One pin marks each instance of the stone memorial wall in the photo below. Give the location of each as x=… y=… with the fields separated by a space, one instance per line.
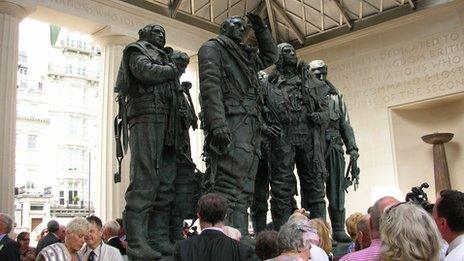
x=401 y=79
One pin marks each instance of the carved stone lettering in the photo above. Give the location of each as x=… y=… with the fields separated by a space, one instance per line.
x=418 y=69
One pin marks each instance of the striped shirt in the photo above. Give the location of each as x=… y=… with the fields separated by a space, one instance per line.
x=372 y=253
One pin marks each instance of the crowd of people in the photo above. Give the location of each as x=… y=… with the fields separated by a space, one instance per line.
x=81 y=239
x=390 y=230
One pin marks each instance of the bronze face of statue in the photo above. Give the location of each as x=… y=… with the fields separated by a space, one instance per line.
x=234 y=28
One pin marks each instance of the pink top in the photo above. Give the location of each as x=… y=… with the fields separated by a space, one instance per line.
x=372 y=253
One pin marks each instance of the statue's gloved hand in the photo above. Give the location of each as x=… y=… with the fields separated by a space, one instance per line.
x=317 y=117
x=354 y=155
x=272 y=132
x=256 y=22
x=174 y=68
x=186 y=85
x=221 y=137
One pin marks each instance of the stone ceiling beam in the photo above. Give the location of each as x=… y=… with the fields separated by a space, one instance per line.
x=175 y=4
x=271 y=18
x=288 y=21
x=180 y=16
x=344 y=13
x=411 y=3
x=357 y=25
x=371 y=5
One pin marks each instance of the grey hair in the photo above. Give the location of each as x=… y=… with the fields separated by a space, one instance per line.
x=297 y=217
x=113 y=227
x=5 y=218
x=409 y=233
x=291 y=237
x=77 y=224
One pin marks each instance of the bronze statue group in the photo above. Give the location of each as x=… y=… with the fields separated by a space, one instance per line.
x=257 y=128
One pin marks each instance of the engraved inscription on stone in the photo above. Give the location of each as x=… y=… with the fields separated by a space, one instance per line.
x=415 y=70
x=98 y=10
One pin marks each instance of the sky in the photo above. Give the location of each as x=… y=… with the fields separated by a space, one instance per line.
x=34 y=39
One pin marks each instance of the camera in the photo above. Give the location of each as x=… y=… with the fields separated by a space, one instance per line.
x=418 y=196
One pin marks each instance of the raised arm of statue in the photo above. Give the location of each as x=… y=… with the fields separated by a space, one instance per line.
x=266 y=44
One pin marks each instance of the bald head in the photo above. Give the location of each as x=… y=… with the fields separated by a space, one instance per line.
x=377 y=211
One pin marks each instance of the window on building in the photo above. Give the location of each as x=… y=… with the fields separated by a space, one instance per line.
x=23 y=84
x=30 y=185
x=61 y=197
x=73 y=197
x=37 y=207
x=70 y=197
x=31 y=141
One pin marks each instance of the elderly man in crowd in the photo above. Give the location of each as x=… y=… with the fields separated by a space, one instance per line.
x=61 y=233
x=373 y=251
x=110 y=235
x=212 y=243
x=448 y=213
x=95 y=249
x=76 y=230
x=363 y=235
x=9 y=249
x=52 y=237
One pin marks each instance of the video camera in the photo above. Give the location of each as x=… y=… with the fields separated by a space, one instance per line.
x=418 y=196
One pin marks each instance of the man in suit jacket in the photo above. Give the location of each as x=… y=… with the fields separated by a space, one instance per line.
x=212 y=244
x=51 y=238
x=94 y=248
x=9 y=249
x=110 y=235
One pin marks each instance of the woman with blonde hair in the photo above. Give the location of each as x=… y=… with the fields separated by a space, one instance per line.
x=408 y=232
x=324 y=235
x=76 y=230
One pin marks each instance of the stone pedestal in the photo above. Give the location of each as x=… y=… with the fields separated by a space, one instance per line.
x=440 y=165
x=11 y=13
x=111 y=196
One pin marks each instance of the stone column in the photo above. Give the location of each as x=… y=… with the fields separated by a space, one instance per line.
x=11 y=13
x=110 y=201
x=440 y=165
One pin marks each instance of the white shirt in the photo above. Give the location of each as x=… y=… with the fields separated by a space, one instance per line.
x=103 y=252
x=318 y=254
x=456 y=249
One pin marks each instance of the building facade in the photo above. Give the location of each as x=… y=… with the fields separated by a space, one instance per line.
x=57 y=130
